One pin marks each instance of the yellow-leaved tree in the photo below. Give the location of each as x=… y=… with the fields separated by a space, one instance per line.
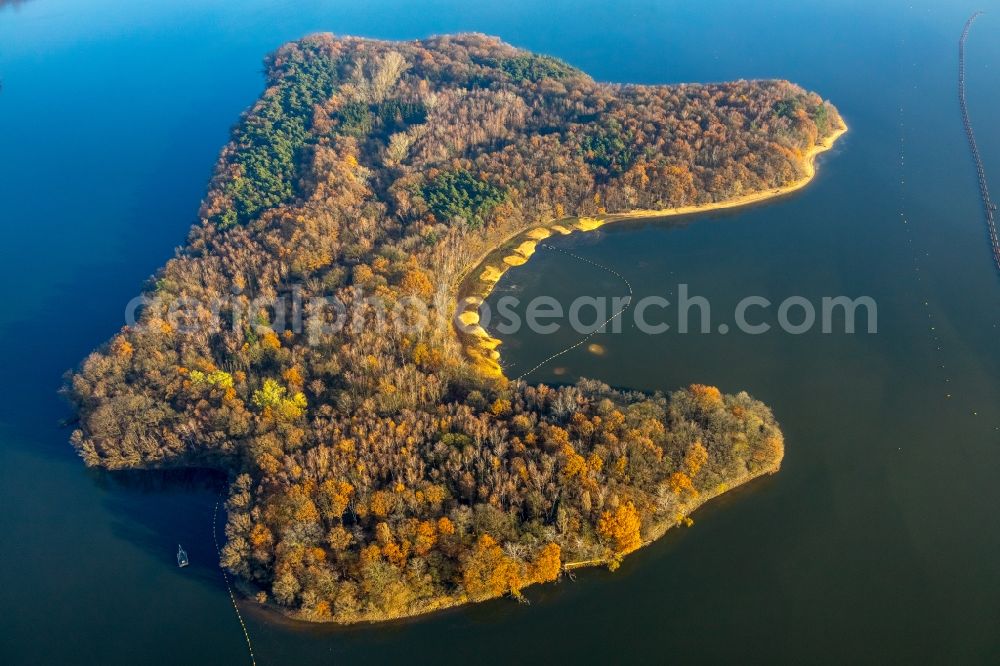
x=489 y=572
x=621 y=528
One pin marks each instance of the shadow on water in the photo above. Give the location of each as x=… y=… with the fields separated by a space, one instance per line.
x=62 y=328
x=49 y=346
x=158 y=510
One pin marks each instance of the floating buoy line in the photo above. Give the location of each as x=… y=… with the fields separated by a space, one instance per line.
x=229 y=587
x=602 y=327
x=934 y=338
x=989 y=208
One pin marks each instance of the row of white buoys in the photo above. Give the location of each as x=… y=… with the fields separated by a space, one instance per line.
x=932 y=332
x=229 y=588
x=603 y=326
x=988 y=206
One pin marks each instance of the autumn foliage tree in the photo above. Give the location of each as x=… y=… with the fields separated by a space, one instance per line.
x=621 y=528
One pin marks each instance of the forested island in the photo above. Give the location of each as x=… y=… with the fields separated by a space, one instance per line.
x=379 y=472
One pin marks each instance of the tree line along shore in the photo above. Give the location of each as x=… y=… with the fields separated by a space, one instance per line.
x=382 y=473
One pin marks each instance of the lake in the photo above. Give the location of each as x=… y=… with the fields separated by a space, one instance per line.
x=876 y=542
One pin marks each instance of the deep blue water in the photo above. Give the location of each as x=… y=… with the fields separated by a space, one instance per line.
x=876 y=542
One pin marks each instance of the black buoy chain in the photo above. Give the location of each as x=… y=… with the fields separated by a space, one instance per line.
x=229 y=587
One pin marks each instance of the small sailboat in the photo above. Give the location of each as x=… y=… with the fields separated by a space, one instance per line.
x=182 y=557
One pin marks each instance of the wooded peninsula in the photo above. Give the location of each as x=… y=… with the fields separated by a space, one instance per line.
x=379 y=472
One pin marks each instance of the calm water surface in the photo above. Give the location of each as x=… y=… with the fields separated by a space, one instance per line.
x=877 y=541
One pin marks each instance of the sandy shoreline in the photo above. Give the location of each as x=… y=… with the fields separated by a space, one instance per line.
x=657 y=530
x=481 y=348
x=274 y=613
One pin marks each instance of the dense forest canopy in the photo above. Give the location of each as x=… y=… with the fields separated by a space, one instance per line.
x=375 y=472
